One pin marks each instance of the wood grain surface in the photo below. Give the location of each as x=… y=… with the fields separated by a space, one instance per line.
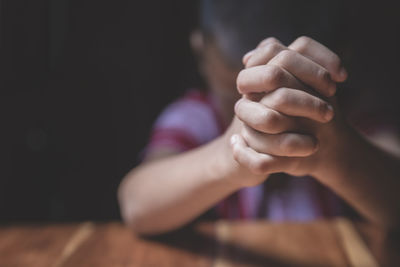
x=258 y=243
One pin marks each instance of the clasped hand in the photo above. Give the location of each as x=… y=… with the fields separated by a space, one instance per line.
x=287 y=119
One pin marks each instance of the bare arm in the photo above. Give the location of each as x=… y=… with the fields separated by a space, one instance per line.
x=366 y=176
x=166 y=193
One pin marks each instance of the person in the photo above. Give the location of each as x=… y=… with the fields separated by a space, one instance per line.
x=277 y=119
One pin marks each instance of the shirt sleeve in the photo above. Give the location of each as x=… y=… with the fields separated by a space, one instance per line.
x=184 y=125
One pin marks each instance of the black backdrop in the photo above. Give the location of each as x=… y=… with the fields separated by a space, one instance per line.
x=82 y=81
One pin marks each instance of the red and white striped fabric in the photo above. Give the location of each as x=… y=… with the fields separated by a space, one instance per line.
x=186 y=123
x=192 y=121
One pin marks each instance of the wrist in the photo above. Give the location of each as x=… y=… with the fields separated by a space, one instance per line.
x=232 y=171
x=336 y=160
x=225 y=166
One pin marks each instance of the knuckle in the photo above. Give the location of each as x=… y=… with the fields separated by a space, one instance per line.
x=302 y=43
x=281 y=98
x=323 y=75
x=304 y=39
x=272 y=48
x=273 y=76
x=268 y=120
x=259 y=166
x=272 y=39
x=268 y=40
x=284 y=56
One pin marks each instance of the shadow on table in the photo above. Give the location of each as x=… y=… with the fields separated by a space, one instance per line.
x=384 y=245
x=206 y=243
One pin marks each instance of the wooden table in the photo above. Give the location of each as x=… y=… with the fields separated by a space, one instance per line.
x=322 y=243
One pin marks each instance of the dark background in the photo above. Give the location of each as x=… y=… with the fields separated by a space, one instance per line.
x=82 y=81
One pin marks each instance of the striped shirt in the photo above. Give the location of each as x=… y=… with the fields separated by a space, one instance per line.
x=192 y=121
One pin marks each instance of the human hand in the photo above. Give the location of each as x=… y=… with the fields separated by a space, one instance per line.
x=265 y=136
x=305 y=61
x=288 y=122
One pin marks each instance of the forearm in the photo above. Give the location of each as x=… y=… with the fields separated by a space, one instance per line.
x=366 y=177
x=167 y=193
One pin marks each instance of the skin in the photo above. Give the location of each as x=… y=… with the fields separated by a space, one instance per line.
x=286 y=121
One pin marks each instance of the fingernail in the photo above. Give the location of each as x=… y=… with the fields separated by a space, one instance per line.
x=332 y=90
x=329 y=113
x=343 y=73
x=247 y=56
x=234 y=139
